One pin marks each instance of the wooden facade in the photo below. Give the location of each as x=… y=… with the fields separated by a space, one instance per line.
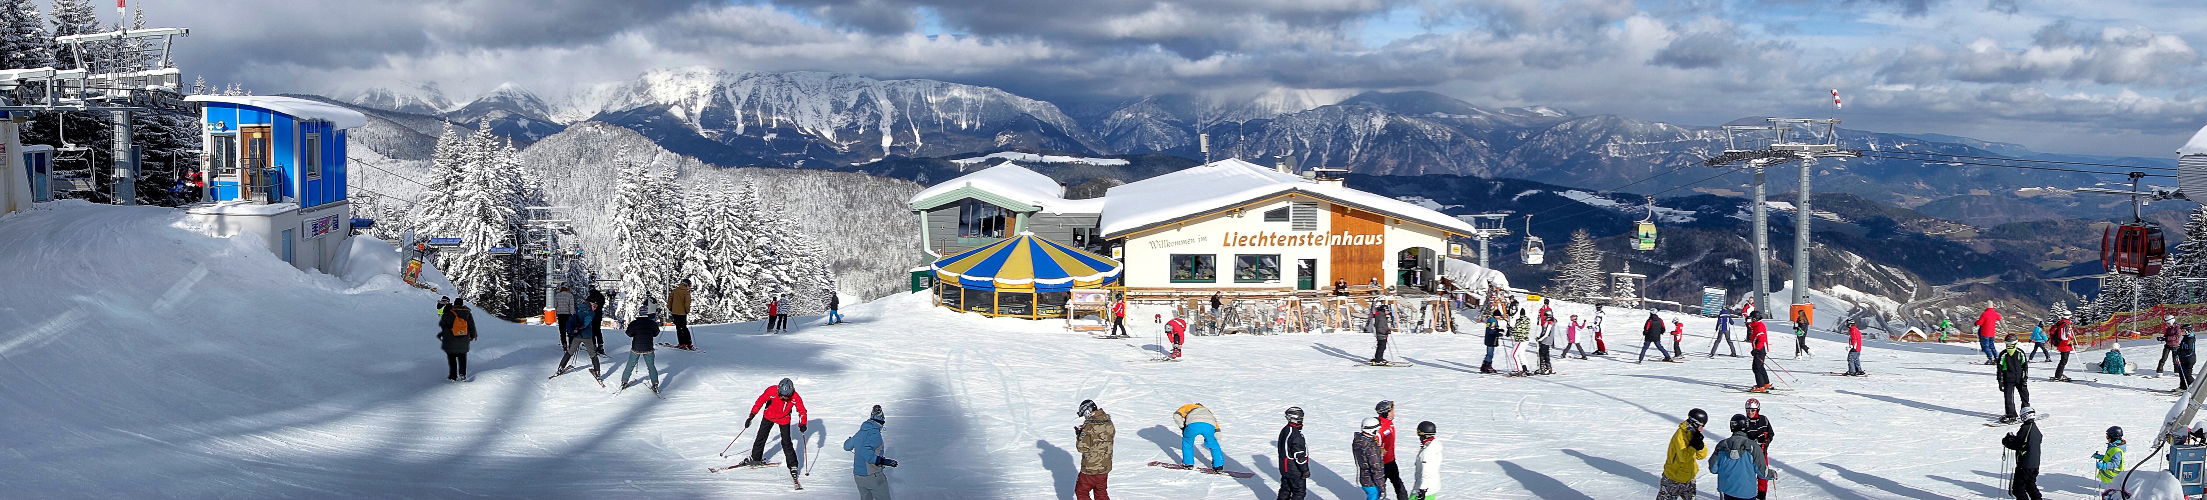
x=1359 y=264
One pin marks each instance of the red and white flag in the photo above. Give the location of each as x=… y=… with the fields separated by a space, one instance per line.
x=1835 y=100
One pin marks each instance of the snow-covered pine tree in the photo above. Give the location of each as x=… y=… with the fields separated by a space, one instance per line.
x=446 y=165
x=85 y=128
x=483 y=218
x=1582 y=275
x=168 y=144
x=669 y=229
x=638 y=260
x=24 y=42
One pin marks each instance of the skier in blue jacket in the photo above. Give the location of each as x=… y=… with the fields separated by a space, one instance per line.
x=867 y=464
x=2038 y=344
x=1738 y=463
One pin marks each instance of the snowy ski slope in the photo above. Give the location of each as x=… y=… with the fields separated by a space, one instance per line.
x=143 y=360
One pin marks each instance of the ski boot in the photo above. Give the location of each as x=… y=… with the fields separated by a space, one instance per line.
x=1760 y=388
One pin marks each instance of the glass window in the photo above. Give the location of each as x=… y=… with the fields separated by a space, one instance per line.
x=1194 y=268
x=310 y=156
x=223 y=157
x=1257 y=268
x=977 y=219
x=1276 y=215
x=950 y=296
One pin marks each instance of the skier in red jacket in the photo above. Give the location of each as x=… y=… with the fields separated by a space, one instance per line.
x=778 y=400
x=2064 y=341
x=1758 y=338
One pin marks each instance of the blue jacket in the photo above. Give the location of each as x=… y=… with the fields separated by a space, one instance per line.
x=1724 y=321
x=1736 y=476
x=586 y=316
x=865 y=447
x=2038 y=334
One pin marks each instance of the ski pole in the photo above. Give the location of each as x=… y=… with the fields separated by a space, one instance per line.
x=1782 y=369
x=732 y=442
x=812 y=458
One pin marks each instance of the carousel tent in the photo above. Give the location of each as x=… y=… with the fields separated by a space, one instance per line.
x=1022 y=276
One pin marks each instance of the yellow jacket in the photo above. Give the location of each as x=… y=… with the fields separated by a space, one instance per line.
x=1684 y=464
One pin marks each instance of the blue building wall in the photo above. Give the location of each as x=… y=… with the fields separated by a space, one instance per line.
x=286 y=134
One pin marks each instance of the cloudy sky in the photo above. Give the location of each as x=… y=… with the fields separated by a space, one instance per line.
x=2103 y=77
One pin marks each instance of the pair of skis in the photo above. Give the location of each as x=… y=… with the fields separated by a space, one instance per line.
x=600 y=379
x=793 y=481
x=1206 y=470
x=676 y=347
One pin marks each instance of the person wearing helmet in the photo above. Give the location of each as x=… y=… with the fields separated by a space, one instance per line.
x=1682 y=465
x=2110 y=462
x=1426 y=483
x=1724 y=334
x=1739 y=463
x=1987 y=323
x=1371 y=468
x=1678 y=338
x=1494 y=339
x=1093 y=438
x=1854 y=349
x=2025 y=441
x=1196 y=421
x=2064 y=341
x=2186 y=352
x=1758 y=429
x=2010 y=374
x=1294 y=457
x=1547 y=342
x=2038 y=342
x=1758 y=349
x=1386 y=411
x=1571 y=338
x=1600 y=348
x=867 y=464
x=780 y=401
x=1176 y=334
x=2169 y=335
x=1651 y=334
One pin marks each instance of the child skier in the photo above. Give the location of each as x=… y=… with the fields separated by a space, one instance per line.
x=2025 y=441
x=867 y=464
x=780 y=401
x=2113 y=363
x=1600 y=348
x=1678 y=338
x=2110 y=462
x=1176 y=333
x=641 y=330
x=2185 y=353
x=1093 y=438
x=1294 y=457
x=1571 y=338
x=1426 y=483
x=1196 y=421
x=1371 y=466
x=2010 y=373
x=1854 y=349
x=1682 y=464
x=582 y=339
x=2038 y=342
x=2063 y=343
x=1738 y=463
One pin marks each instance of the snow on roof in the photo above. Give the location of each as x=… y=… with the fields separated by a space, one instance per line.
x=2196 y=146
x=1018 y=183
x=298 y=108
x=1228 y=182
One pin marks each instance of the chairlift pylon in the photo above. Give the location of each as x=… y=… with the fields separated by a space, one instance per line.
x=1533 y=254
x=1643 y=238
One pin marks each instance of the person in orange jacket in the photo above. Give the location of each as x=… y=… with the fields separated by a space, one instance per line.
x=779 y=401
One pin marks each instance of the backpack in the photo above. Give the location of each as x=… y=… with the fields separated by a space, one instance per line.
x=459 y=326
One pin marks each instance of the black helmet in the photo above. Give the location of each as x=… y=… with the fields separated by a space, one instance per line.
x=1295 y=415
x=1087 y=406
x=786 y=388
x=1739 y=423
x=2114 y=432
x=1384 y=407
x=1427 y=428
x=1698 y=417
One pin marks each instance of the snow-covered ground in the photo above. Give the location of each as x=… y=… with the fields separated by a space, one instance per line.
x=145 y=360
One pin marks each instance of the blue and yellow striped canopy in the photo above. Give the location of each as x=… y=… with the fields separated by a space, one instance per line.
x=1026 y=263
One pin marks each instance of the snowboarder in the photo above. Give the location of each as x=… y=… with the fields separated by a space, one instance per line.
x=1371 y=467
x=1093 y=438
x=1571 y=338
x=1987 y=323
x=1386 y=410
x=563 y=309
x=456 y=330
x=1600 y=348
x=2010 y=373
x=1678 y=338
x=1118 y=315
x=1196 y=421
x=678 y=311
x=779 y=400
x=835 y=308
x=2025 y=441
x=2110 y=462
x=1683 y=463
x=1494 y=339
x=580 y=339
x=1651 y=334
x=597 y=323
x=1801 y=332
x=1758 y=429
x=1521 y=332
x=2185 y=353
x=2113 y=363
x=641 y=331
x=1547 y=343
x=1854 y=348
x=1758 y=349
x=1294 y=457
x=2064 y=341
x=1425 y=483
x=1176 y=333
x=1738 y=463
x=1381 y=313
x=1724 y=334
x=868 y=467
x=2169 y=335
x=2038 y=342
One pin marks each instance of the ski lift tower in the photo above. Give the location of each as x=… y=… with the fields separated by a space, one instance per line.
x=1486 y=227
x=1785 y=140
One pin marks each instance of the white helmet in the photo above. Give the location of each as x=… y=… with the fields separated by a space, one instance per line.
x=2028 y=414
x=1371 y=425
x=2171 y=319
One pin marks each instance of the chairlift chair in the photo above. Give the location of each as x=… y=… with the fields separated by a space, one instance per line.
x=1533 y=254
x=1644 y=238
x=2135 y=249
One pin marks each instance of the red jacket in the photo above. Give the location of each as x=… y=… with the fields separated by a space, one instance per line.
x=2063 y=340
x=777 y=409
x=1118 y=309
x=1387 y=440
x=1985 y=323
x=773 y=308
x=1678 y=331
x=1854 y=337
x=1758 y=335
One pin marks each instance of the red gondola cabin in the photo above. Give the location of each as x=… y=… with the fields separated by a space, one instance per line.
x=2133 y=249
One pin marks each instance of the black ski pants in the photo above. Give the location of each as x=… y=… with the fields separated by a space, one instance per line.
x=2063 y=364
x=2165 y=351
x=1394 y=477
x=1544 y=358
x=1658 y=343
x=1724 y=338
x=1379 y=353
x=455 y=364
x=789 y=448
x=2009 y=391
x=566 y=321
x=1800 y=345
x=681 y=328
x=1292 y=487
x=2039 y=348
x=1762 y=376
x=1118 y=326
x=2183 y=369
x=2025 y=484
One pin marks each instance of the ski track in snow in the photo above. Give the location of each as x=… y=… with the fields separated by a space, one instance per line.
x=145 y=360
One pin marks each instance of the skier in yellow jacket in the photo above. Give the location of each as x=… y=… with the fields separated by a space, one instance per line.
x=1684 y=463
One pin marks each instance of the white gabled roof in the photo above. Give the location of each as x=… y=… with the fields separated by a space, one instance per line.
x=1019 y=184
x=2196 y=146
x=1226 y=183
x=338 y=116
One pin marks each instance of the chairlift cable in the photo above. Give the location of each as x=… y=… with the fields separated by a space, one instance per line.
x=2109 y=165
